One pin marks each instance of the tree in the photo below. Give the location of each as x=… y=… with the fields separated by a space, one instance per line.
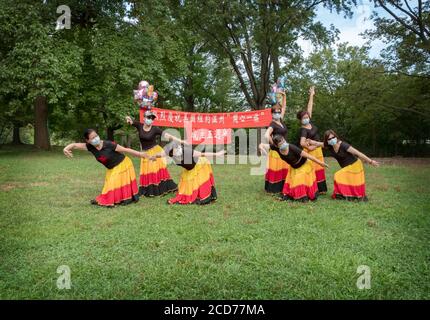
x=37 y=67
x=407 y=31
x=189 y=76
x=252 y=34
x=379 y=112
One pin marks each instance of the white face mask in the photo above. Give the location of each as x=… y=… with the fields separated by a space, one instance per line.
x=306 y=121
x=95 y=141
x=284 y=146
x=332 y=142
x=276 y=116
x=148 y=122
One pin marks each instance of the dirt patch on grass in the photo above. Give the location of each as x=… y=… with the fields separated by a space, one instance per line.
x=7 y=186
x=251 y=221
x=400 y=161
x=381 y=187
x=19 y=185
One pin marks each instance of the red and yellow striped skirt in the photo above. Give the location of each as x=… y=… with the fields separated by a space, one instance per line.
x=154 y=177
x=319 y=170
x=349 y=182
x=120 y=185
x=277 y=170
x=300 y=184
x=196 y=186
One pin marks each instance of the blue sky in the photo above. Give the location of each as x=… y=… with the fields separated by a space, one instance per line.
x=350 y=29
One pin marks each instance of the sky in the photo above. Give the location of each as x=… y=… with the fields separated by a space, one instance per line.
x=350 y=29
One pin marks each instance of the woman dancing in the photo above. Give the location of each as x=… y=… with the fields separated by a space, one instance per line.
x=196 y=184
x=277 y=169
x=120 y=185
x=310 y=141
x=349 y=182
x=155 y=179
x=300 y=182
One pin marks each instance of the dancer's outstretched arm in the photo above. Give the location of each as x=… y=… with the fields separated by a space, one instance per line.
x=68 y=149
x=170 y=137
x=157 y=155
x=131 y=152
x=315 y=144
x=209 y=154
x=363 y=157
x=312 y=158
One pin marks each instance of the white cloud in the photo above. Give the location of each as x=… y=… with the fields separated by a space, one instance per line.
x=349 y=29
x=306 y=46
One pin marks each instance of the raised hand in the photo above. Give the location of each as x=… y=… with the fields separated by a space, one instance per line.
x=129 y=120
x=68 y=153
x=312 y=90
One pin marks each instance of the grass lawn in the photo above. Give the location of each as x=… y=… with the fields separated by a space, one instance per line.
x=245 y=246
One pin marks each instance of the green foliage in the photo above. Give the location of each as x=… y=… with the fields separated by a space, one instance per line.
x=406 y=30
x=357 y=98
x=253 y=34
x=213 y=56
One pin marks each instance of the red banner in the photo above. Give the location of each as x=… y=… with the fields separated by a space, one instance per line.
x=209 y=136
x=225 y=120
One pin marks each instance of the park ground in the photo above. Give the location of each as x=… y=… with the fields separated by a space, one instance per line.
x=246 y=245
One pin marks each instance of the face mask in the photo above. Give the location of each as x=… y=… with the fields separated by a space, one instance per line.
x=276 y=116
x=148 y=121
x=284 y=146
x=332 y=142
x=306 y=121
x=177 y=152
x=95 y=141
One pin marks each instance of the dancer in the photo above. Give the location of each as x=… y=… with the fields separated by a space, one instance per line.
x=310 y=141
x=155 y=179
x=300 y=183
x=277 y=169
x=349 y=182
x=196 y=184
x=120 y=185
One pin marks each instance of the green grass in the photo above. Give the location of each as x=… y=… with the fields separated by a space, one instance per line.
x=245 y=246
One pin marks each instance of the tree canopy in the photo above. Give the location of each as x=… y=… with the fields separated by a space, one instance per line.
x=213 y=56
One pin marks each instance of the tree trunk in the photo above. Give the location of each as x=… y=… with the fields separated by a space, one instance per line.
x=188 y=94
x=41 y=134
x=128 y=141
x=110 y=133
x=276 y=65
x=259 y=138
x=16 y=139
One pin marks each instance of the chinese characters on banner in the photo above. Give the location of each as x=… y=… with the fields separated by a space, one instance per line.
x=215 y=126
x=209 y=136
x=225 y=120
